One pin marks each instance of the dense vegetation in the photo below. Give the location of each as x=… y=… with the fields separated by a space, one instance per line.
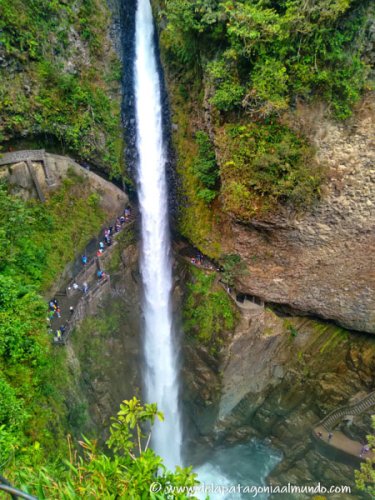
x=263 y=165
x=59 y=77
x=365 y=478
x=236 y=72
x=128 y=472
x=208 y=312
x=38 y=241
x=260 y=55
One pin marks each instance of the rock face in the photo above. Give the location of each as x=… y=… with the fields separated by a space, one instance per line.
x=275 y=380
x=105 y=352
x=322 y=261
x=50 y=174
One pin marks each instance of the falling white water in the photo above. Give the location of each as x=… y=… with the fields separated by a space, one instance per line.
x=161 y=374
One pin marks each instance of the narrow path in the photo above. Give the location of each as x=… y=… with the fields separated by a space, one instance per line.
x=72 y=300
x=341 y=442
x=324 y=430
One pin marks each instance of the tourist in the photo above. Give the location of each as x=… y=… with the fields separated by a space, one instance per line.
x=85 y=287
x=320 y=435
x=75 y=286
x=330 y=436
x=71 y=309
x=101 y=245
x=99 y=274
x=52 y=305
x=58 y=312
x=84 y=259
x=127 y=213
x=99 y=253
x=122 y=219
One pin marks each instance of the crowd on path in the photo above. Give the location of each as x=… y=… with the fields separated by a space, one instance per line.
x=200 y=260
x=61 y=311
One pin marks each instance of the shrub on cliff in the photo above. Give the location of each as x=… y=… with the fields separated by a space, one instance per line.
x=205 y=168
x=208 y=312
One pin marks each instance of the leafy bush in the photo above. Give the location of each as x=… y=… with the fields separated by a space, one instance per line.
x=128 y=472
x=233 y=267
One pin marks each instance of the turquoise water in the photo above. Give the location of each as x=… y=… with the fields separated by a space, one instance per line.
x=230 y=473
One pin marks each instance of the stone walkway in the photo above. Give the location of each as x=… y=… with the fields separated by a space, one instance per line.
x=341 y=442
x=75 y=297
x=338 y=440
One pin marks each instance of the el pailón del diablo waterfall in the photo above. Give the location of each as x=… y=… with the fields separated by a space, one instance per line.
x=161 y=372
x=161 y=376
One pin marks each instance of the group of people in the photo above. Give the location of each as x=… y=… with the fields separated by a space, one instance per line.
x=200 y=260
x=365 y=448
x=55 y=310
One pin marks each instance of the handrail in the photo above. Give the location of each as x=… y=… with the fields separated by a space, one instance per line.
x=14 y=492
x=361 y=405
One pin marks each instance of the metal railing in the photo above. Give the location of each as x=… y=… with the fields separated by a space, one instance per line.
x=14 y=492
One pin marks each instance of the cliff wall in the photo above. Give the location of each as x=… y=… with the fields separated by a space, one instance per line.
x=320 y=260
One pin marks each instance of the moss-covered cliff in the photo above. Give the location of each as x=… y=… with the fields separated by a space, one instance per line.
x=269 y=168
x=60 y=79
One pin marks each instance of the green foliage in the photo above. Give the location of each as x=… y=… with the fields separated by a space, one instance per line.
x=272 y=51
x=224 y=78
x=93 y=474
x=365 y=477
x=126 y=431
x=59 y=78
x=263 y=165
x=37 y=241
x=205 y=168
x=208 y=312
x=293 y=332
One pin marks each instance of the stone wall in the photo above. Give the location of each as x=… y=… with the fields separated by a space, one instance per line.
x=50 y=170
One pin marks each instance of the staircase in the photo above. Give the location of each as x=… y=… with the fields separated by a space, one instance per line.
x=332 y=418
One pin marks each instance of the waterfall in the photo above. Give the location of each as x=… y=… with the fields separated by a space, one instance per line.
x=161 y=371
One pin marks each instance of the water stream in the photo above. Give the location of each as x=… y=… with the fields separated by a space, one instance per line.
x=161 y=373
x=248 y=463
